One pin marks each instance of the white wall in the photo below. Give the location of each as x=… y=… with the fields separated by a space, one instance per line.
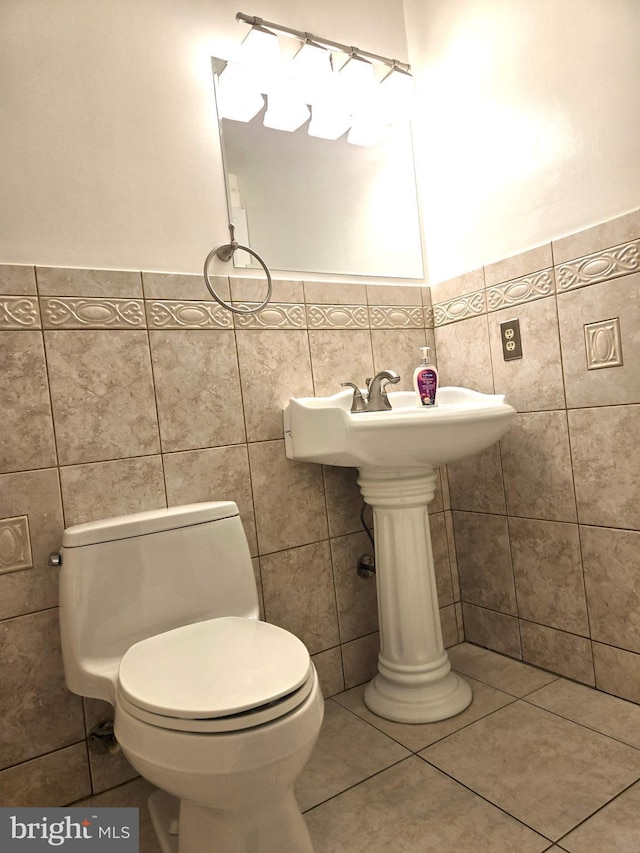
x=528 y=122
x=109 y=150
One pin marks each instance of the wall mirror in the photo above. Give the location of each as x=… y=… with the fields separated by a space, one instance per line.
x=323 y=206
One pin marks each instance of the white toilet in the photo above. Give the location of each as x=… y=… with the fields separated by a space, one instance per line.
x=159 y=616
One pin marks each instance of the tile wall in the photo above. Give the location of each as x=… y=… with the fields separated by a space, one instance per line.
x=547 y=523
x=124 y=391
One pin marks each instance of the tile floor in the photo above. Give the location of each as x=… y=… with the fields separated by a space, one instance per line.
x=535 y=763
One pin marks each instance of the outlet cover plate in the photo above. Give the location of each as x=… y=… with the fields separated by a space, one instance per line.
x=510 y=338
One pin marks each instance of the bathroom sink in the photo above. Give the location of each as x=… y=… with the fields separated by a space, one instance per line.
x=464 y=422
x=396 y=451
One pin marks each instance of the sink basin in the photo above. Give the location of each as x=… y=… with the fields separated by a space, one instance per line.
x=464 y=422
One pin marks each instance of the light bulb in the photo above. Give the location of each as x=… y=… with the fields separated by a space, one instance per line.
x=237 y=97
x=328 y=120
x=397 y=94
x=369 y=128
x=284 y=110
x=357 y=81
x=311 y=70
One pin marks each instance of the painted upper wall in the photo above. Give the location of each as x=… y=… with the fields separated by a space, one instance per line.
x=528 y=125
x=109 y=149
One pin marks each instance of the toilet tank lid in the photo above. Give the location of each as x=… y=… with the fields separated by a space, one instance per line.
x=141 y=523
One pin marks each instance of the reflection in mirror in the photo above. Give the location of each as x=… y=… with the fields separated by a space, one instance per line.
x=325 y=206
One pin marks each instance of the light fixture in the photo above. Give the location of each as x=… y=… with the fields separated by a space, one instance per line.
x=358 y=81
x=339 y=100
x=369 y=128
x=312 y=71
x=284 y=110
x=260 y=50
x=238 y=99
x=397 y=93
x=328 y=120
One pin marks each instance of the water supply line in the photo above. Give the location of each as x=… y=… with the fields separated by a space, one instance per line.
x=366 y=565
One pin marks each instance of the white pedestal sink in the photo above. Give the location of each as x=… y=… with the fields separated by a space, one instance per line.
x=396 y=452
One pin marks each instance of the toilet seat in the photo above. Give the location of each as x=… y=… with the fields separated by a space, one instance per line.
x=219 y=675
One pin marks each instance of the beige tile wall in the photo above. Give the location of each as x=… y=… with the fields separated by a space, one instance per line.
x=547 y=524
x=124 y=391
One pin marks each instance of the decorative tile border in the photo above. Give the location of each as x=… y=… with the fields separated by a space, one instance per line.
x=460 y=308
x=338 y=316
x=428 y=316
x=15 y=545
x=524 y=289
x=92 y=313
x=600 y=266
x=19 y=312
x=276 y=315
x=603 y=343
x=396 y=317
x=176 y=314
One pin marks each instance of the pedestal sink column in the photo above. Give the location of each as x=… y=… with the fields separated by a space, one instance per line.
x=414 y=683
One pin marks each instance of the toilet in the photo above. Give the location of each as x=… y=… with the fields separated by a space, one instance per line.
x=217 y=709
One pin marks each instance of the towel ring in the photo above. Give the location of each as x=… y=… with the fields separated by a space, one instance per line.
x=224 y=253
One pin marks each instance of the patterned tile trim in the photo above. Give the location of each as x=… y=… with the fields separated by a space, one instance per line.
x=276 y=315
x=396 y=317
x=428 y=316
x=337 y=316
x=175 y=314
x=470 y=305
x=524 y=289
x=15 y=546
x=92 y=313
x=19 y=312
x=603 y=343
x=600 y=266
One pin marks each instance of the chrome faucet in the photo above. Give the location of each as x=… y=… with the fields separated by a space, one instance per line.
x=359 y=404
x=376 y=399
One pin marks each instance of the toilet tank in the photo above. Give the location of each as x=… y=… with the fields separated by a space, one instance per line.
x=128 y=578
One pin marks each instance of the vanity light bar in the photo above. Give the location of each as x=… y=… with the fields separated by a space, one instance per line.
x=350 y=50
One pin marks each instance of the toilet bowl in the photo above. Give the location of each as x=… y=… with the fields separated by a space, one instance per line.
x=218 y=709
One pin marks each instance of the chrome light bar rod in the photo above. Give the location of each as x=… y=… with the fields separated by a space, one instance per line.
x=254 y=21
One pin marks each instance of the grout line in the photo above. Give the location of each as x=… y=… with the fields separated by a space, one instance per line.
x=29 y=612
x=597 y=811
x=356 y=784
x=482 y=797
x=527 y=699
x=157 y=411
x=81 y=742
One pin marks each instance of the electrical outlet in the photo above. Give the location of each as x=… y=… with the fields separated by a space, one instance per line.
x=511 y=342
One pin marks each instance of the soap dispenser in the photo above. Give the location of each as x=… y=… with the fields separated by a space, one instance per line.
x=425 y=379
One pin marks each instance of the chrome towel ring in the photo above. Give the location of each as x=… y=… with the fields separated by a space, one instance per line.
x=224 y=253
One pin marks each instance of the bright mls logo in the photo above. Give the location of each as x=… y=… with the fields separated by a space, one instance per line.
x=74 y=830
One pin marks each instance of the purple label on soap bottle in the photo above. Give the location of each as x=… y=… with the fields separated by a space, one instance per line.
x=427 y=387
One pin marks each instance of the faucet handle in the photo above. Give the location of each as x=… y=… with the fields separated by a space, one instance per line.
x=359 y=403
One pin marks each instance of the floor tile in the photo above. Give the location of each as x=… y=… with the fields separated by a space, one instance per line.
x=498 y=671
x=413 y=808
x=348 y=751
x=132 y=794
x=485 y=700
x=548 y=772
x=606 y=714
x=616 y=828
